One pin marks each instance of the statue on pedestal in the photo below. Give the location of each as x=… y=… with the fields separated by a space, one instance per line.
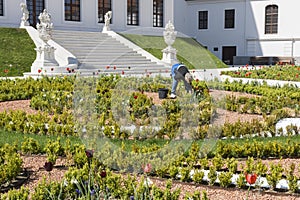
x=25 y=15
x=107 y=18
x=45 y=52
x=169 y=53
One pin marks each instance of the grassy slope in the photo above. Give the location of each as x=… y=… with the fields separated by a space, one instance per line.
x=189 y=51
x=17 y=50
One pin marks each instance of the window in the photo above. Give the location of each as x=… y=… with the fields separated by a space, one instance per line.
x=132 y=12
x=103 y=7
x=158 y=13
x=271 y=19
x=203 y=19
x=1 y=8
x=35 y=8
x=72 y=10
x=229 y=18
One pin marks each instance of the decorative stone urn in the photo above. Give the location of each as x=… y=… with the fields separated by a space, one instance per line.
x=45 y=53
x=169 y=53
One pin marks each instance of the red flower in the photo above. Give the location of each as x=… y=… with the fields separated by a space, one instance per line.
x=103 y=174
x=107 y=67
x=115 y=67
x=251 y=178
x=5 y=70
x=39 y=70
x=147 y=168
x=197 y=80
x=135 y=97
x=297 y=75
x=68 y=69
x=193 y=71
x=123 y=72
x=48 y=166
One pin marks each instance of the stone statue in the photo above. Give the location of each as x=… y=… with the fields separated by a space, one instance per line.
x=25 y=16
x=45 y=26
x=107 y=18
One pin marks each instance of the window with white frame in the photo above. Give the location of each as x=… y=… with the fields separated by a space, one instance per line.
x=72 y=10
x=103 y=7
x=203 y=19
x=158 y=13
x=229 y=18
x=132 y=12
x=1 y=8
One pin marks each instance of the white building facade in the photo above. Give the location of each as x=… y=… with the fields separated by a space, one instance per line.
x=234 y=30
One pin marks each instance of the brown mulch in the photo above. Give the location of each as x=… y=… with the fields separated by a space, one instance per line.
x=34 y=164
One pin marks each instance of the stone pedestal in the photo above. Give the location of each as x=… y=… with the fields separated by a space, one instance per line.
x=45 y=59
x=169 y=55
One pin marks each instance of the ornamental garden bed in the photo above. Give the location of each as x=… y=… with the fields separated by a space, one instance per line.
x=72 y=163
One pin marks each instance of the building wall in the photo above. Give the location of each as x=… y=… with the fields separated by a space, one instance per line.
x=247 y=35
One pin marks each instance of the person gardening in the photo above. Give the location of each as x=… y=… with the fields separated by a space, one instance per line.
x=180 y=72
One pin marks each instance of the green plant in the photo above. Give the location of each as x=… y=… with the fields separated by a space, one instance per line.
x=10 y=164
x=225 y=178
x=198 y=176
x=212 y=175
x=232 y=164
x=292 y=178
x=30 y=146
x=275 y=174
x=20 y=194
x=241 y=181
x=185 y=174
x=53 y=150
x=217 y=162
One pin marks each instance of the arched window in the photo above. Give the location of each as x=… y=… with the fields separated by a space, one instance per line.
x=103 y=7
x=132 y=12
x=72 y=10
x=271 y=19
x=1 y=8
x=158 y=13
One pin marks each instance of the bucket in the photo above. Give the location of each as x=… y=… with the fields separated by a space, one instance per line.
x=163 y=93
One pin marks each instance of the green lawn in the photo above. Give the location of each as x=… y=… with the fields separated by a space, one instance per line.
x=16 y=52
x=189 y=51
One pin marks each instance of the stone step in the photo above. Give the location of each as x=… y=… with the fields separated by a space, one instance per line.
x=95 y=51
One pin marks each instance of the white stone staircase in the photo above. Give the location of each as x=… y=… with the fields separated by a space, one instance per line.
x=100 y=53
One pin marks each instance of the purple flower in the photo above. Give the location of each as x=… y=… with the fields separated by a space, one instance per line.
x=131 y=197
x=48 y=166
x=78 y=191
x=89 y=153
x=93 y=192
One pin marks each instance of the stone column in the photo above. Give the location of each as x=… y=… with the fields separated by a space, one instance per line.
x=169 y=53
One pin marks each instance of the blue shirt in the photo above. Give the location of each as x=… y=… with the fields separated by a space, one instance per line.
x=174 y=67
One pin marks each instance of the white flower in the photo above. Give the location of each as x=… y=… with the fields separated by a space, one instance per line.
x=74 y=181
x=148 y=182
